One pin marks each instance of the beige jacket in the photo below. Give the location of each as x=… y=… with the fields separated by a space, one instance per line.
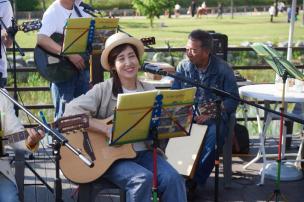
x=100 y=94
x=10 y=124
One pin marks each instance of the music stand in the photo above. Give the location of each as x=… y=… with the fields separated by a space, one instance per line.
x=153 y=115
x=284 y=69
x=88 y=35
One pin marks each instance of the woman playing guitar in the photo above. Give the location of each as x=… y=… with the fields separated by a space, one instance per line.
x=121 y=57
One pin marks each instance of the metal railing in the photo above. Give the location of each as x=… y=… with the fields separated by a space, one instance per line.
x=230 y=50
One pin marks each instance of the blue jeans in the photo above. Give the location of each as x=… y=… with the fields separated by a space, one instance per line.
x=135 y=177
x=64 y=92
x=3 y=82
x=207 y=156
x=8 y=190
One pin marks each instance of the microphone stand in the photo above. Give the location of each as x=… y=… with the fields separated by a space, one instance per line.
x=59 y=140
x=15 y=46
x=219 y=93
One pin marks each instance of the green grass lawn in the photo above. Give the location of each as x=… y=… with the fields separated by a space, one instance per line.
x=242 y=28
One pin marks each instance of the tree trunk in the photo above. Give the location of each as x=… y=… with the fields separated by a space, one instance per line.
x=43 y=5
x=151 y=22
x=303 y=17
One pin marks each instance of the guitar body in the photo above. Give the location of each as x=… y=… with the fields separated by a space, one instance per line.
x=76 y=171
x=52 y=67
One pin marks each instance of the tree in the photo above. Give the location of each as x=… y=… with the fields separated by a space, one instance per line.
x=150 y=8
x=27 y=5
x=170 y=7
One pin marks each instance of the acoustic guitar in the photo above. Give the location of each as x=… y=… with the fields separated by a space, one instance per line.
x=207 y=108
x=95 y=147
x=53 y=67
x=57 y=68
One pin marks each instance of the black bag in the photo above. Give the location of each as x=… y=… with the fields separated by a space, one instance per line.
x=240 y=140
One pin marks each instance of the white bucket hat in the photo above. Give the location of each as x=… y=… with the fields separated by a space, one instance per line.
x=116 y=40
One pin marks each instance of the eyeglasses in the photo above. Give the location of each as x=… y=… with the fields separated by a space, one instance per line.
x=193 y=51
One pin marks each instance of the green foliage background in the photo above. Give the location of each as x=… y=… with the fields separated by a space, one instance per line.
x=32 y=5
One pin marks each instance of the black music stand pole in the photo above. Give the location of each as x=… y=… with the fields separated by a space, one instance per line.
x=284 y=69
x=57 y=183
x=277 y=195
x=217 y=149
x=156 y=112
x=15 y=46
x=14 y=66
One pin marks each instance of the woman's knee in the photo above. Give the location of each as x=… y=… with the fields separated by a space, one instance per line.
x=172 y=178
x=143 y=178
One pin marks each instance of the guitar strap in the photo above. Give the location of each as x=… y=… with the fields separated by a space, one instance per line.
x=77 y=11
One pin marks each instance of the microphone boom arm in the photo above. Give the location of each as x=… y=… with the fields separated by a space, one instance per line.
x=156 y=70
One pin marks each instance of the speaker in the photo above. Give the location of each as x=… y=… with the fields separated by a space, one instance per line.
x=220 y=44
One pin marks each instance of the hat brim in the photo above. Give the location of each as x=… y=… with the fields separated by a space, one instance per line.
x=131 y=40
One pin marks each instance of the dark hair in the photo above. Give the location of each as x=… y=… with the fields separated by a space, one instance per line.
x=117 y=87
x=204 y=37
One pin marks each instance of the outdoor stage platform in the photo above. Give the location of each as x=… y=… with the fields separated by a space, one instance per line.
x=243 y=188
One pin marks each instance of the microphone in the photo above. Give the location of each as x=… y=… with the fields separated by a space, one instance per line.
x=154 y=69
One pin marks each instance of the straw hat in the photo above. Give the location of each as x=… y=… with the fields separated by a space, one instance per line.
x=116 y=40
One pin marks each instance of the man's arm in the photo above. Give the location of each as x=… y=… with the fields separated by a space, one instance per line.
x=51 y=46
x=11 y=124
x=179 y=72
x=7 y=20
x=48 y=44
x=230 y=86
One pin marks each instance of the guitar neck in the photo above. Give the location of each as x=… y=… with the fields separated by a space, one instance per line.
x=64 y=125
x=14 y=138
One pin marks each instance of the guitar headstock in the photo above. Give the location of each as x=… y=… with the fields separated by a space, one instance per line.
x=148 y=41
x=72 y=123
x=30 y=26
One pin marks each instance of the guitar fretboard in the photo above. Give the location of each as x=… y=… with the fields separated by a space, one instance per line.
x=64 y=124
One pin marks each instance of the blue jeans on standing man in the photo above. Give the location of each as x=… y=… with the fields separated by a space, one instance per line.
x=3 y=81
x=8 y=190
x=135 y=177
x=64 y=92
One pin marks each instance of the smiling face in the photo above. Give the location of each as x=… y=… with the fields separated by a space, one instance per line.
x=127 y=64
x=196 y=53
